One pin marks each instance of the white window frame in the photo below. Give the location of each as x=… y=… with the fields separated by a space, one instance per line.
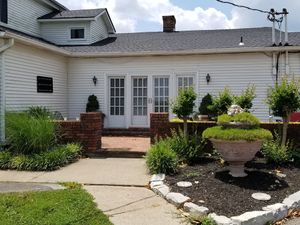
x=185 y=76
x=77 y=28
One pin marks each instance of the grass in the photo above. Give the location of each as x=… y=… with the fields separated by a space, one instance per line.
x=72 y=206
x=234 y=134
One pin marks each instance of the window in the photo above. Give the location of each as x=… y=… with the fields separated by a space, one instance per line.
x=3 y=11
x=77 y=33
x=44 y=84
x=185 y=82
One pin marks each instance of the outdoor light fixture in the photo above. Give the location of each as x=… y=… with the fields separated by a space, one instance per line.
x=207 y=78
x=95 y=80
x=242 y=42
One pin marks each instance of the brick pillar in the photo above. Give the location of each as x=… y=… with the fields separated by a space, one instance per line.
x=91 y=131
x=159 y=125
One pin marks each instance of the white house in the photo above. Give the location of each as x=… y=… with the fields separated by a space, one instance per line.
x=49 y=56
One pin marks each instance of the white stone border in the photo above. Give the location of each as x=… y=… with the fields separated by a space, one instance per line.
x=270 y=213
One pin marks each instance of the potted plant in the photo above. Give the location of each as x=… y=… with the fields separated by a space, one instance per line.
x=237 y=138
x=204 y=109
x=93 y=104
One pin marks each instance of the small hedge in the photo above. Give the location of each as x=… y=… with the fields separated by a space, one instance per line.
x=44 y=161
x=244 y=117
x=235 y=134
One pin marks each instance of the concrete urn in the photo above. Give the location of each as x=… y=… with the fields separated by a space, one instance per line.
x=237 y=153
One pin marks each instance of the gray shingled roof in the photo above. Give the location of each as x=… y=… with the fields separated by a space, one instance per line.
x=183 y=40
x=71 y=14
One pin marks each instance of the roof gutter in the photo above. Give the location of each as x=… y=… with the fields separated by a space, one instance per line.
x=188 y=52
x=37 y=43
x=9 y=42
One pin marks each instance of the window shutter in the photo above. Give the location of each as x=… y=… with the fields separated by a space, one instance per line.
x=3 y=11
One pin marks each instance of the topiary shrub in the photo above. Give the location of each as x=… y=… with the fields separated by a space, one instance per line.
x=27 y=134
x=184 y=104
x=207 y=101
x=189 y=149
x=93 y=104
x=161 y=158
x=222 y=102
x=246 y=98
x=283 y=100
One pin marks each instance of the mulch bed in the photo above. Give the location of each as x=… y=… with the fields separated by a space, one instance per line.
x=229 y=196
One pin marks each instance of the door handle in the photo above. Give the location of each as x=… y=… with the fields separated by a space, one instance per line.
x=149 y=100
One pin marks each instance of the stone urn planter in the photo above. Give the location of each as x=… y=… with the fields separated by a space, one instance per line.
x=237 y=153
x=237 y=138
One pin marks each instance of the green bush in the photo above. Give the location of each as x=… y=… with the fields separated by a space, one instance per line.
x=204 y=109
x=39 y=112
x=243 y=117
x=161 y=158
x=246 y=98
x=28 y=135
x=93 y=104
x=275 y=153
x=235 y=134
x=45 y=161
x=222 y=102
x=188 y=148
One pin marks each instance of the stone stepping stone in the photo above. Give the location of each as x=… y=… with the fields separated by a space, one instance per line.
x=184 y=184
x=261 y=196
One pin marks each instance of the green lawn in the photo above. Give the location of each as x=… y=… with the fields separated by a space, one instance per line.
x=62 y=207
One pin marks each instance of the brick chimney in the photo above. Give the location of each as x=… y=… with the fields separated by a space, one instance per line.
x=169 y=23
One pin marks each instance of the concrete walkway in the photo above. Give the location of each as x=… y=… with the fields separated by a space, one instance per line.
x=118 y=185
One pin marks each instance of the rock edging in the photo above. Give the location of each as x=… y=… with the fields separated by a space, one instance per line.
x=270 y=213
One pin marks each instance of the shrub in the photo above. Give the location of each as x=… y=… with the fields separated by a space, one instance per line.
x=188 y=148
x=204 y=106
x=28 y=135
x=275 y=153
x=246 y=98
x=39 y=112
x=283 y=100
x=243 y=117
x=184 y=105
x=235 y=134
x=161 y=158
x=93 y=104
x=45 y=161
x=222 y=102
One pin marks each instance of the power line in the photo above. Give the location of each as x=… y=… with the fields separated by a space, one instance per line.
x=243 y=6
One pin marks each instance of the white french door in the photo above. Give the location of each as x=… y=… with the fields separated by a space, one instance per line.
x=139 y=101
x=117 y=102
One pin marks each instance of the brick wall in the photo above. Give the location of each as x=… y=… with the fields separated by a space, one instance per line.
x=87 y=131
x=160 y=127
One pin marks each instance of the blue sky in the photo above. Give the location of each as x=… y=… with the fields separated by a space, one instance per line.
x=145 y=15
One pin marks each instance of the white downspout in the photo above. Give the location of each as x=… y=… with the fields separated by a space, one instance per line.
x=287 y=66
x=9 y=43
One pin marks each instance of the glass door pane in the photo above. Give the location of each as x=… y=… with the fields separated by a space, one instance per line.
x=117 y=96
x=140 y=96
x=161 y=94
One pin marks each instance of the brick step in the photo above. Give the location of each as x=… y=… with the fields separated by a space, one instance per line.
x=116 y=154
x=131 y=132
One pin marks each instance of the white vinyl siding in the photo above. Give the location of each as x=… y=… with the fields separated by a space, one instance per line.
x=233 y=70
x=23 y=14
x=59 y=32
x=2 y=110
x=22 y=66
x=98 y=30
